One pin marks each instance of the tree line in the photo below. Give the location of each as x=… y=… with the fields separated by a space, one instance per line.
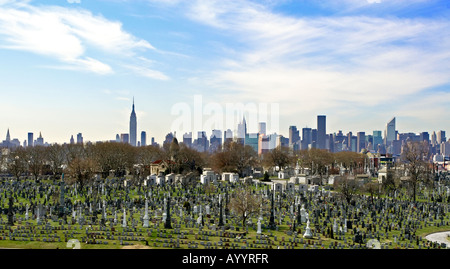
x=80 y=162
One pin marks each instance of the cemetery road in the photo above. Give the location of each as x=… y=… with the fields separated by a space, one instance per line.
x=441 y=237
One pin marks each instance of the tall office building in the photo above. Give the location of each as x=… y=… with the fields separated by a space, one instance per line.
x=143 y=139
x=79 y=138
x=321 y=132
x=440 y=137
x=125 y=138
x=72 y=141
x=361 y=141
x=389 y=133
x=215 y=140
x=314 y=138
x=263 y=143
x=306 y=138
x=424 y=136
x=8 y=136
x=39 y=140
x=30 y=140
x=262 y=128
x=227 y=136
x=187 y=139
x=242 y=131
x=294 y=135
x=433 y=138
x=377 y=139
x=133 y=127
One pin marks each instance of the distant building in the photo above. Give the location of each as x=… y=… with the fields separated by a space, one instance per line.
x=133 y=127
x=307 y=138
x=168 y=140
x=227 y=136
x=252 y=140
x=10 y=143
x=241 y=131
x=79 y=138
x=321 y=131
x=377 y=139
x=262 y=128
x=143 y=139
x=263 y=143
x=201 y=144
x=124 y=138
x=187 y=139
x=440 y=138
x=389 y=133
x=424 y=136
x=72 y=140
x=215 y=141
x=30 y=140
x=294 y=135
x=40 y=140
x=361 y=141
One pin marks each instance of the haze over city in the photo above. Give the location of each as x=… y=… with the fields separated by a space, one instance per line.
x=72 y=67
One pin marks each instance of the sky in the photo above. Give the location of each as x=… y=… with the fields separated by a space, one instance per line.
x=74 y=66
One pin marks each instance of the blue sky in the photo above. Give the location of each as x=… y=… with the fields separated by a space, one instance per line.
x=72 y=66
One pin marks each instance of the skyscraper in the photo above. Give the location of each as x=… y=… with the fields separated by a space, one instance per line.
x=307 y=137
x=8 y=136
x=389 y=133
x=262 y=128
x=424 y=136
x=39 y=140
x=294 y=135
x=377 y=139
x=30 y=140
x=143 y=139
x=440 y=137
x=321 y=131
x=133 y=127
x=125 y=138
x=79 y=138
x=242 y=131
x=187 y=139
x=361 y=141
x=227 y=136
x=72 y=141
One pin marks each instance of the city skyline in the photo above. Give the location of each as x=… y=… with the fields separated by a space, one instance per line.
x=71 y=67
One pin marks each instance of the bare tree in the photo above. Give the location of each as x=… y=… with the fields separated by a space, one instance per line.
x=347 y=187
x=36 y=157
x=244 y=203
x=234 y=157
x=318 y=160
x=372 y=188
x=350 y=160
x=17 y=163
x=55 y=156
x=118 y=157
x=81 y=171
x=414 y=157
x=279 y=156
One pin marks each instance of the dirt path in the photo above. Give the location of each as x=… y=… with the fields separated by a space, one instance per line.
x=441 y=237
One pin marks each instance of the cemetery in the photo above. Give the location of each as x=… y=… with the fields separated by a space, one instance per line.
x=113 y=213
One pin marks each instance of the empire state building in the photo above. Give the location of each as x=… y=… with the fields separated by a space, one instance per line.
x=133 y=125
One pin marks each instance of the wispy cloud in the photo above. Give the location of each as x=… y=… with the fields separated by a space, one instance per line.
x=67 y=35
x=318 y=63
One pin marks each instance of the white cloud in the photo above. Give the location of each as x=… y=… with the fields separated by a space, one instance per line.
x=316 y=63
x=73 y=1
x=67 y=35
x=147 y=72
